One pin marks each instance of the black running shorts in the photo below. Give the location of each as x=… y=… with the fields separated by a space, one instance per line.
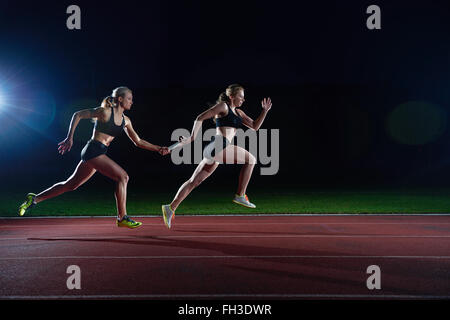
x=217 y=144
x=92 y=149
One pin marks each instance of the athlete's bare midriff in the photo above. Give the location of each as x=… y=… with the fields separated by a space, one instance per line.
x=227 y=132
x=102 y=137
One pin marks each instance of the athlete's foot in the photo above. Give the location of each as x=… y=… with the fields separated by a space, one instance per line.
x=168 y=215
x=127 y=222
x=29 y=202
x=243 y=201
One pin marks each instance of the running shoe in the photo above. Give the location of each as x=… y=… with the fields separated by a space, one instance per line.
x=128 y=222
x=243 y=201
x=29 y=202
x=168 y=215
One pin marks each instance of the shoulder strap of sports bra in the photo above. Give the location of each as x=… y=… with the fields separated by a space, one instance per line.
x=232 y=113
x=112 y=115
x=229 y=109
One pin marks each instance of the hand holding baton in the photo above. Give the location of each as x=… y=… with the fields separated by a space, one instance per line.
x=181 y=141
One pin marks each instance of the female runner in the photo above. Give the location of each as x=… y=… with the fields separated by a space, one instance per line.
x=228 y=117
x=110 y=122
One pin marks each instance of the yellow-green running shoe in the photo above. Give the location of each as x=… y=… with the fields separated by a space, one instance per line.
x=29 y=202
x=168 y=215
x=128 y=222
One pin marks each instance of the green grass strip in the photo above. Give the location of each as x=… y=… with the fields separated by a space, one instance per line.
x=93 y=203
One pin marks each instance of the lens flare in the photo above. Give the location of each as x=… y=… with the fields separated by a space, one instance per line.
x=416 y=123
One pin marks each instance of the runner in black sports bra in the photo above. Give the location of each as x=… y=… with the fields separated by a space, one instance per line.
x=95 y=148
x=230 y=120
x=215 y=153
x=93 y=155
x=220 y=142
x=110 y=127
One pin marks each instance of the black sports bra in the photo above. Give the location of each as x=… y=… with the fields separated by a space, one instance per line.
x=110 y=127
x=230 y=120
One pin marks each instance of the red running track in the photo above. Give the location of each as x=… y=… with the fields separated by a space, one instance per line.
x=227 y=257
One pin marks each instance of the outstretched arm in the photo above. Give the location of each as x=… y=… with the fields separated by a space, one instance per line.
x=208 y=114
x=266 y=104
x=66 y=144
x=141 y=143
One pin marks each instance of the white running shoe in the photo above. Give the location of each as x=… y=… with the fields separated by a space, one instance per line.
x=168 y=215
x=243 y=201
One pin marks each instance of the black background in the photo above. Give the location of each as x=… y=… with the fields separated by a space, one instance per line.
x=334 y=83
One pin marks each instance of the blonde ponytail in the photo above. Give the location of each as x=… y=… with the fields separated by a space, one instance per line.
x=108 y=102
x=111 y=101
x=230 y=91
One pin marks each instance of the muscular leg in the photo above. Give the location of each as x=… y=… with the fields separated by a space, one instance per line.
x=81 y=174
x=203 y=171
x=232 y=154
x=235 y=154
x=112 y=170
x=244 y=178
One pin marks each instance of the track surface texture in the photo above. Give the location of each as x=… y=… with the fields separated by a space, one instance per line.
x=228 y=257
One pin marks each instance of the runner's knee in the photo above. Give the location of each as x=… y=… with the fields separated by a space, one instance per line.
x=123 y=178
x=251 y=159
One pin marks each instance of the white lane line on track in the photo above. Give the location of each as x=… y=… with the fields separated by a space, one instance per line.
x=112 y=225
x=93 y=238
x=224 y=257
x=212 y=296
x=386 y=214
x=75 y=238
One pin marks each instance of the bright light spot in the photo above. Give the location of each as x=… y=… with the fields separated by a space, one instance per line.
x=2 y=102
